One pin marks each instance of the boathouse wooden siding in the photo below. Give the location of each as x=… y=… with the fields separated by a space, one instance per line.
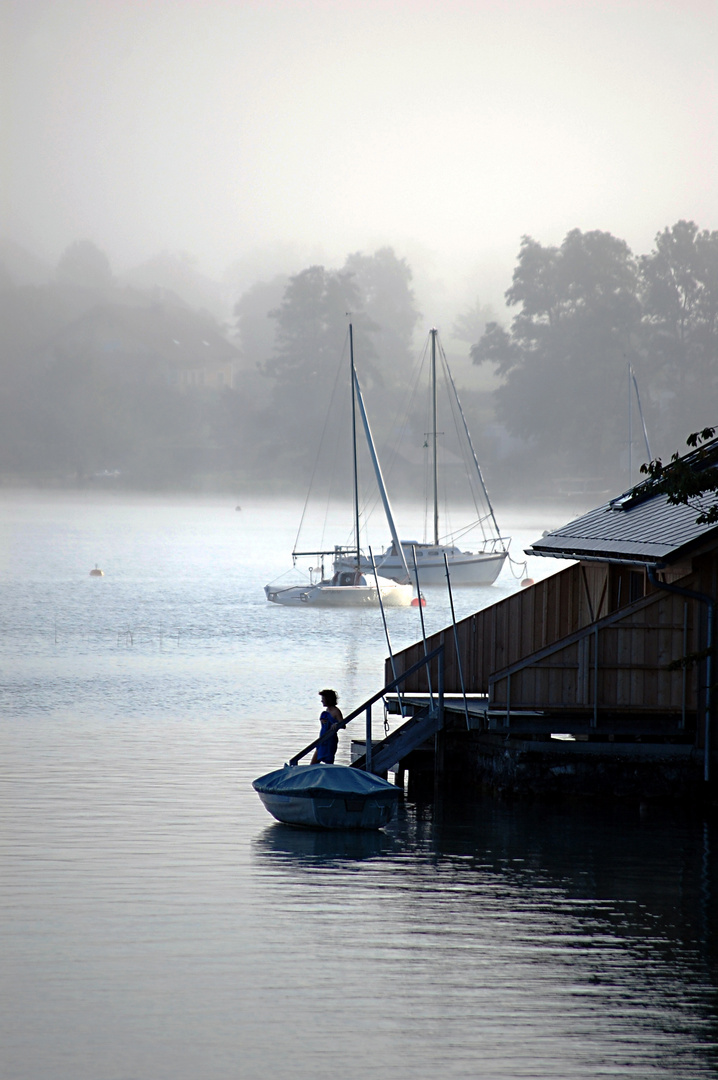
x=500 y=635
x=595 y=636
x=621 y=663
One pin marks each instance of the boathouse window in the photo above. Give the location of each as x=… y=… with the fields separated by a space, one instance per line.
x=636 y=585
x=627 y=586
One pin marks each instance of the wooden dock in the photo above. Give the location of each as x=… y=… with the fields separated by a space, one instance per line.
x=529 y=753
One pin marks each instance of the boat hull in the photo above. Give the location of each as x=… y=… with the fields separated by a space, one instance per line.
x=327 y=797
x=392 y=594
x=330 y=813
x=465 y=568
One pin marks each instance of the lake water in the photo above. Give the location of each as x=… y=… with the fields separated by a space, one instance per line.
x=158 y=925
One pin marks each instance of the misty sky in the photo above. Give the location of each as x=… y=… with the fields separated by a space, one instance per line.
x=447 y=129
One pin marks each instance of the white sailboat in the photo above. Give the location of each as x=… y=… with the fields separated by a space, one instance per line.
x=353 y=583
x=479 y=567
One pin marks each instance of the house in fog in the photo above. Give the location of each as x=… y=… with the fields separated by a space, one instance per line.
x=141 y=388
x=162 y=341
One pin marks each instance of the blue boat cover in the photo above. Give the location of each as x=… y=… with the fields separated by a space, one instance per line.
x=326 y=781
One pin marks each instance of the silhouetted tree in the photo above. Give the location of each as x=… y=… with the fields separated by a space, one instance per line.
x=384 y=286
x=470 y=324
x=311 y=331
x=564 y=358
x=679 y=290
x=30 y=316
x=255 y=324
x=177 y=273
x=312 y=319
x=91 y=386
x=85 y=265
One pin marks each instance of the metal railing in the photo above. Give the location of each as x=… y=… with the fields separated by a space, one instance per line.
x=586 y=667
x=366 y=706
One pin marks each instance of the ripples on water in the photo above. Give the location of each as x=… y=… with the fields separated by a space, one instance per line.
x=158 y=926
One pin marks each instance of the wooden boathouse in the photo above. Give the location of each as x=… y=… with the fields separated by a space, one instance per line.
x=597 y=679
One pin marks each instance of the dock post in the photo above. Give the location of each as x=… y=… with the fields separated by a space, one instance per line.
x=508 y=700
x=685 y=667
x=440 y=736
x=367 y=764
x=594 y=721
x=440 y=688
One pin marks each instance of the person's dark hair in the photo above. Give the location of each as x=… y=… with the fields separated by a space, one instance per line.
x=330 y=696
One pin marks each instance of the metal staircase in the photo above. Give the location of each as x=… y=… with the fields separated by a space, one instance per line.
x=399 y=744
x=383 y=753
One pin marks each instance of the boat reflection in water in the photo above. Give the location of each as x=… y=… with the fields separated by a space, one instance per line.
x=317 y=846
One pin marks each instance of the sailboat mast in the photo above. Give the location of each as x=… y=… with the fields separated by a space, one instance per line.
x=354 y=447
x=434 y=434
x=630 y=429
x=457 y=399
x=379 y=477
x=632 y=378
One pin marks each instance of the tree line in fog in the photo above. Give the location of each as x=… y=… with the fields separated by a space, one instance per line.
x=590 y=318
x=157 y=380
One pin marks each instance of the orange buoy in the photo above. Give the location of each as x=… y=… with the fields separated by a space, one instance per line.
x=418 y=600
x=526 y=582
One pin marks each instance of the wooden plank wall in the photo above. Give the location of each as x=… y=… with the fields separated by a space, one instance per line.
x=632 y=656
x=498 y=636
x=632 y=669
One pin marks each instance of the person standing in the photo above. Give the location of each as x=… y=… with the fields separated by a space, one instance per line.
x=330 y=720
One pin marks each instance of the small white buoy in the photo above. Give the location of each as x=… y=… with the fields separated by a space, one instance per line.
x=97 y=572
x=238 y=508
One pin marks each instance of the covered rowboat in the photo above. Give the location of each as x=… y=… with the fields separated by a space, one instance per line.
x=327 y=797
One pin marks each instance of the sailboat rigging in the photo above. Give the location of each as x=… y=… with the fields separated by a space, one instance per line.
x=633 y=384
x=348 y=587
x=480 y=567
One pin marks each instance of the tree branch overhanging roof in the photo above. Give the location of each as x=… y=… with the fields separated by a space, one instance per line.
x=647 y=524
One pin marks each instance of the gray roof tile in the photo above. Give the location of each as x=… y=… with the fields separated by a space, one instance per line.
x=646 y=529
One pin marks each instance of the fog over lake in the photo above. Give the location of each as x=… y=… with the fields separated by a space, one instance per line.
x=200 y=195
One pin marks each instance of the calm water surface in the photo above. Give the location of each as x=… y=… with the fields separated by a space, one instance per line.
x=157 y=925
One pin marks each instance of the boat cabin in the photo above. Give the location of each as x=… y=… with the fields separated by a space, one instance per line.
x=348 y=577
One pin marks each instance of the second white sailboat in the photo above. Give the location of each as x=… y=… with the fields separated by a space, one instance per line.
x=480 y=567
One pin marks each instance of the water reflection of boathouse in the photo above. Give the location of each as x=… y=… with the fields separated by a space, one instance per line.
x=594 y=679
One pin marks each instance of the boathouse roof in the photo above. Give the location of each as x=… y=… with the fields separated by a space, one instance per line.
x=635 y=527
x=641 y=525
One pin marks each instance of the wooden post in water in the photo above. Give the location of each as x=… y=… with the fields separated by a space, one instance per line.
x=440 y=736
